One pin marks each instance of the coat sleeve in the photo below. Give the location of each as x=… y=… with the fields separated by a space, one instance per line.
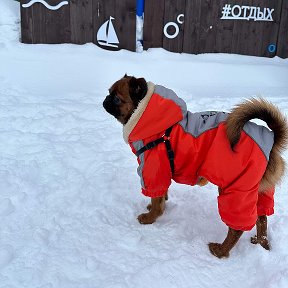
x=154 y=171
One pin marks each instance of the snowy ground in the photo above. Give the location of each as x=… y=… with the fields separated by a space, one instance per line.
x=69 y=191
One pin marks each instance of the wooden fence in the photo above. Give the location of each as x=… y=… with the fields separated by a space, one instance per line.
x=249 y=27
x=257 y=27
x=108 y=23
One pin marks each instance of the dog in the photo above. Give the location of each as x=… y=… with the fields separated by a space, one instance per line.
x=227 y=149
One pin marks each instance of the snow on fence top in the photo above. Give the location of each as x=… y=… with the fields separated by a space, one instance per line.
x=210 y=26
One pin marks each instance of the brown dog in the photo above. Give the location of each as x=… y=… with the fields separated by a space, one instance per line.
x=130 y=100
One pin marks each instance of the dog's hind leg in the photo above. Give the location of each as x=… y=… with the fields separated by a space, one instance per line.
x=222 y=250
x=261 y=237
x=265 y=207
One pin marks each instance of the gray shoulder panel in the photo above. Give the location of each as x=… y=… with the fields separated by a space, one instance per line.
x=193 y=123
x=198 y=123
x=171 y=95
x=262 y=136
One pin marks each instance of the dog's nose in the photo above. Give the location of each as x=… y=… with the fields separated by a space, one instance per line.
x=106 y=99
x=109 y=107
x=106 y=102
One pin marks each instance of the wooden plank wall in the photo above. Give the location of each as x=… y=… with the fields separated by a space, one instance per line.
x=78 y=22
x=154 y=23
x=81 y=21
x=41 y=25
x=174 y=8
x=201 y=29
x=204 y=31
x=282 y=50
x=26 y=24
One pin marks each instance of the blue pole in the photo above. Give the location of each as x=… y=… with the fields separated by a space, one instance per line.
x=140 y=7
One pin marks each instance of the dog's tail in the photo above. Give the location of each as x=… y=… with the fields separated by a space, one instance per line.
x=276 y=121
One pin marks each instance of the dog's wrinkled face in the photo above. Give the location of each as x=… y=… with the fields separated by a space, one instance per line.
x=124 y=97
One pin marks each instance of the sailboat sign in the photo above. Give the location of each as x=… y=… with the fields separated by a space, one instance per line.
x=106 y=35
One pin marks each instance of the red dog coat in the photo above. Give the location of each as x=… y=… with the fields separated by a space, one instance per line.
x=201 y=148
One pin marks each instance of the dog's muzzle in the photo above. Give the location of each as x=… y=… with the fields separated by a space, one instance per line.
x=110 y=106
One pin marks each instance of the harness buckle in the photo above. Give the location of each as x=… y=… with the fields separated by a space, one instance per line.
x=165 y=138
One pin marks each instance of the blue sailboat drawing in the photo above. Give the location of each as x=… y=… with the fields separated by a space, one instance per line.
x=106 y=35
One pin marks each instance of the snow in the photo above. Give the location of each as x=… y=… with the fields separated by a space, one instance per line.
x=69 y=189
x=139 y=33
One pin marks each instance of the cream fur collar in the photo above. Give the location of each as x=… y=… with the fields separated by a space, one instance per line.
x=138 y=112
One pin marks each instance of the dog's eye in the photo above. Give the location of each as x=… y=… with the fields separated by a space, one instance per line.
x=116 y=100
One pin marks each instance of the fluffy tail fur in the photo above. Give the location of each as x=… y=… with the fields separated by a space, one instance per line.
x=276 y=121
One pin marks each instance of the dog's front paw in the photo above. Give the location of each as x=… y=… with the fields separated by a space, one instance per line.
x=146 y=218
x=217 y=250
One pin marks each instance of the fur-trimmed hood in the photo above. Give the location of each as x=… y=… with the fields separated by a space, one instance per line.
x=154 y=114
x=129 y=126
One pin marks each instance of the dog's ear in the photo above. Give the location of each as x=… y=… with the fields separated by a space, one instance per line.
x=137 y=89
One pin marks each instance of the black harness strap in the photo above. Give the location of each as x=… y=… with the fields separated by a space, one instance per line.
x=164 y=139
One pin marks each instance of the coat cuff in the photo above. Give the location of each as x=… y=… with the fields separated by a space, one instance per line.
x=154 y=194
